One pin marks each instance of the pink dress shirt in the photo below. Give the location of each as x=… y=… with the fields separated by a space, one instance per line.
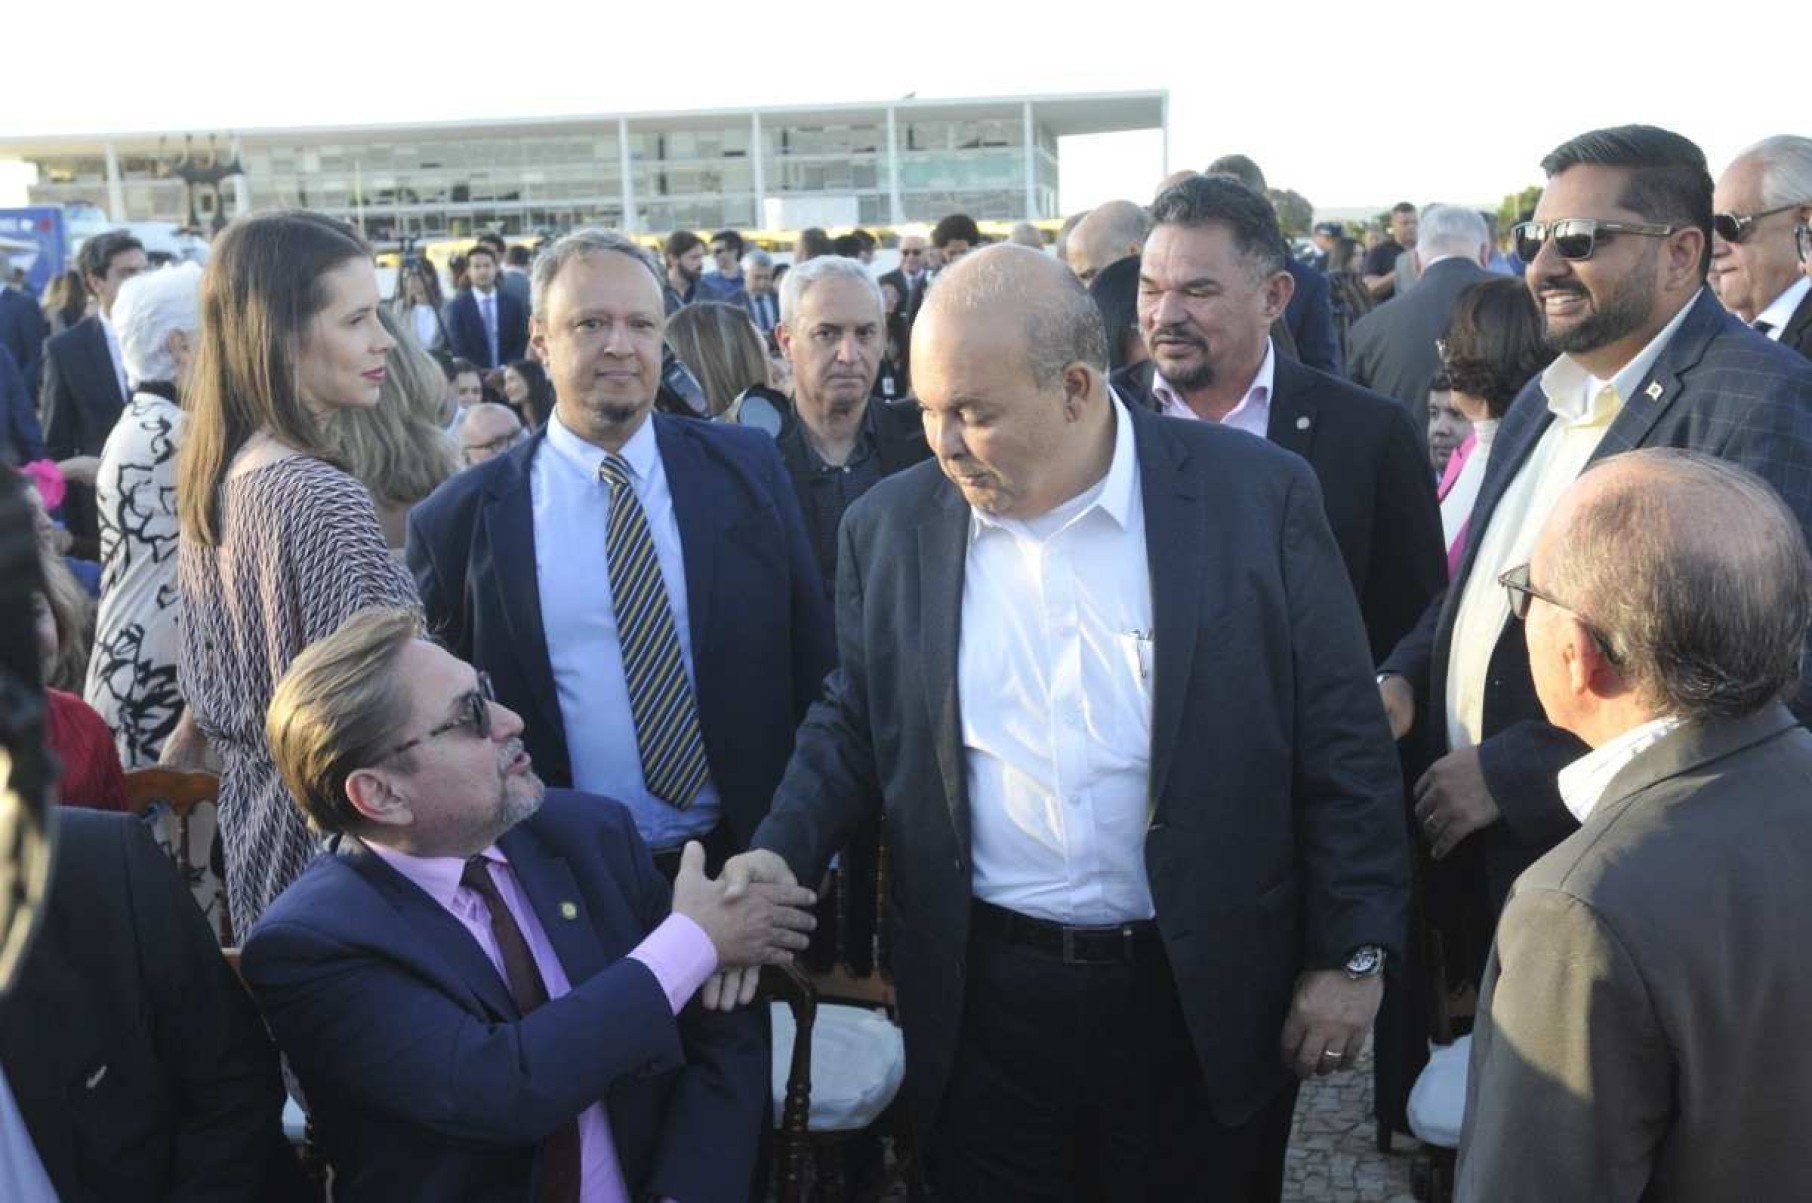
x=678 y=953
x=1252 y=414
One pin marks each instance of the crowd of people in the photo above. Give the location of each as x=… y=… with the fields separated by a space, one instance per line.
x=1233 y=652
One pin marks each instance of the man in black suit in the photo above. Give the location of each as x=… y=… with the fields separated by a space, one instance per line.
x=85 y=385
x=1309 y=316
x=1762 y=203
x=138 y=1062
x=1617 y=259
x=1103 y=679
x=1212 y=285
x=23 y=329
x=1393 y=346
x=910 y=277
x=485 y=324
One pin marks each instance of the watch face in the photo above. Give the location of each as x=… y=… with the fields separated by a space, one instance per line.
x=1365 y=962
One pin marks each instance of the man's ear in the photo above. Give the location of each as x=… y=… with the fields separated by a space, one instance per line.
x=1278 y=291
x=537 y=338
x=1078 y=384
x=371 y=794
x=783 y=338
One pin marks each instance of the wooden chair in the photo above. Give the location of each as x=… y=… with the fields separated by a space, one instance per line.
x=298 y=1125
x=180 y=793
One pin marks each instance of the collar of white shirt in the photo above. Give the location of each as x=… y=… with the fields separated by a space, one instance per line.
x=436 y=876
x=1112 y=495
x=1574 y=394
x=1780 y=312
x=639 y=452
x=1252 y=414
x=1582 y=783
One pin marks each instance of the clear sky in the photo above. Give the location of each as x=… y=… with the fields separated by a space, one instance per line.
x=1425 y=103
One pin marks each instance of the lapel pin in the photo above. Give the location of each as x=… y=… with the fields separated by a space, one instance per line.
x=1653 y=391
x=1302 y=423
x=569 y=910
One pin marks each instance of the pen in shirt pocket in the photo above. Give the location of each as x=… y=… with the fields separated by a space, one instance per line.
x=1142 y=645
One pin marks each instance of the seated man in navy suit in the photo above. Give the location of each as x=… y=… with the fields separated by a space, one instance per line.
x=483 y=986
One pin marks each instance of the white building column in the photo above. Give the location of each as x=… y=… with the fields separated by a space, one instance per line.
x=896 y=208
x=761 y=176
x=1031 y=139
x=1164 y=134
x=242 y=184
x=630 y=224
x=116 y=189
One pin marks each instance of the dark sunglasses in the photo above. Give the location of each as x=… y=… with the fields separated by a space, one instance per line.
x=1734 y=227
x=1576 y=238
x=914 y=251
x=1522 y=592
x=474 y=712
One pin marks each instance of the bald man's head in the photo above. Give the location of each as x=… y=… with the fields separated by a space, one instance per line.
x=1690 y=573
x=486 y=431
x=1112 y=232
x=1059 y=324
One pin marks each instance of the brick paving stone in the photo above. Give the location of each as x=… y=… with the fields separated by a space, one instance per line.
x=1332 y=1156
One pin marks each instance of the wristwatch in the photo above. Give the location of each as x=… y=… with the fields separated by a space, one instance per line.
x=1367 y=961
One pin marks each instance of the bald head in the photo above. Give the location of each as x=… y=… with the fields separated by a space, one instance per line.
x=485 y=431
x=1060 y=323
x=1110 y=233
x=1692 y=571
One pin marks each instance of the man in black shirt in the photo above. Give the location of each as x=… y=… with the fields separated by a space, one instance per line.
x=1381 y=261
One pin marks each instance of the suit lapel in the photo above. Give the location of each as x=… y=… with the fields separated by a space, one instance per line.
x=552 y=889
x=943 y=549
x=429 y=926
x=510 y=526
x=1176 y=549
x=1294 y=417
x=701 y=518
x=1662 y=384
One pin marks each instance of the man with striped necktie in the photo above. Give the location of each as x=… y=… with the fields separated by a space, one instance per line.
x=640 y=587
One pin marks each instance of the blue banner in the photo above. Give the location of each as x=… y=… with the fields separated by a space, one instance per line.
x=42 y=228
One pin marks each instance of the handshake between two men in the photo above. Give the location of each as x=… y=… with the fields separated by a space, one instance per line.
x=752 y=919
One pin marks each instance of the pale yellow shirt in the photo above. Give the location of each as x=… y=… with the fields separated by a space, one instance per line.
x=1584 y=408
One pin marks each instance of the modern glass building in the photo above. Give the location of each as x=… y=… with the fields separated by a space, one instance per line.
x=881 y=163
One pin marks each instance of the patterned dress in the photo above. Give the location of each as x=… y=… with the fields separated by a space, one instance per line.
x=300 y=552
x=132 y=673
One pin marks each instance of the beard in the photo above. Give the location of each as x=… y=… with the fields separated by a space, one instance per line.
x=1198 y=376
x=1617 y=315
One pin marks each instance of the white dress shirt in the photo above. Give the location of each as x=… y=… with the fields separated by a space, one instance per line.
x=1780 y=310
x=1252 y=414
x=119 y=357
x=487 y=317
x=1582 y=783
x=572 y=573
x=427 y=324
x=1054 y=682
x=1584 y=408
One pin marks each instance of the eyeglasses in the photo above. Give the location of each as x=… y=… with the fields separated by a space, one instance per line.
x=1576 y=238
x=1734 y=227
x=474 y=712
x=483 y=451
x=912 y=253
x=1517 y=584
x=1802 y=238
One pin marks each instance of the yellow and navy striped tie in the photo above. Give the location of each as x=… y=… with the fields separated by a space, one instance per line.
x=660 y=696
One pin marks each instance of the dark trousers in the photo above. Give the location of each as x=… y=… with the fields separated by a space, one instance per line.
x=719 y=844
x=1079 y=1082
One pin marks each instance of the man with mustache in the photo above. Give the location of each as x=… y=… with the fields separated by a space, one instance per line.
x=1213 y=278
x=1617 y=255
x=482 y=984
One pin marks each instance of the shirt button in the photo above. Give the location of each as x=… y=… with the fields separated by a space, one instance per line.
x=1075 y=799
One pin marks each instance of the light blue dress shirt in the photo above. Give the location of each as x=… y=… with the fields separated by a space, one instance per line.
x=572 y=574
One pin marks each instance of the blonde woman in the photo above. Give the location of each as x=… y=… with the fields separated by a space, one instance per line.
x=719 y=344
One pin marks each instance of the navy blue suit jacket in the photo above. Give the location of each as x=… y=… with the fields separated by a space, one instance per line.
x=1310 y=317
x=465 y=329
x=1718 y=387
x=1276 y=841
x=760 y=628
x=424 y=1081
x=21 y=440
x=23 y=331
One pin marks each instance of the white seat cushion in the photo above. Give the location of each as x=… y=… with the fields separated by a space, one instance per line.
x=295 y=1123
x=1437 y=1102
x=858 y=1063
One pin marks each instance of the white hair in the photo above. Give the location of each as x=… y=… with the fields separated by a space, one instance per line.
x=1451 y=230
x=756 y=258
x=583 y=244
x=1786 y=161
x=152 y=306
x=801 y=276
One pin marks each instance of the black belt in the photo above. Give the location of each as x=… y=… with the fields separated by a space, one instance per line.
x=1114 y=944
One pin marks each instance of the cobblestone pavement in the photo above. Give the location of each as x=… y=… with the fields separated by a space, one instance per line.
x=1333 y=1157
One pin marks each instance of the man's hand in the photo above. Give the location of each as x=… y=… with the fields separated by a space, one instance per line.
x=1453 y=801
x=729 y=989
x=764 y=925
x=1329 y=1018
x=1399 y=704
x=758 y=865
x=80 y=469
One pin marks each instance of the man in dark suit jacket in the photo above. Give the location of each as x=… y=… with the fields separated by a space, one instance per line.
x=136 y=1058
x=1061 y=1041
x=1393 y=346
x=492 y=342
x=84 y=385
x=1209 y=362
x=483 y=986
x=23 y=330
x=21 y=440
x=519 y=573
x=1642 y=1028
x=1757 y=267
x=1684 y=374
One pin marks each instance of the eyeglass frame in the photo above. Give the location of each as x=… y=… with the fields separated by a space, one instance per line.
x=1596 y=225
x=1522 y=591
x=476 y=714
x=1802 y=240
x=496 y=446
x=1741 y=222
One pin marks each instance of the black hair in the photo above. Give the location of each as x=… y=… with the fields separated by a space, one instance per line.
x=679 y=242
x=957 y=226
x=729 y=236
x=1668 y=182
x=1202 y=200
x=847 y=245
x=1115 y=291
x=1494 y=343
x=97 y=254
